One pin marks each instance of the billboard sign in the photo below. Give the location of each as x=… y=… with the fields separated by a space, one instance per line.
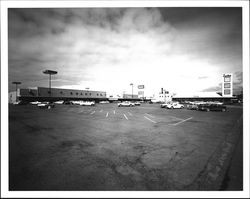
x=227 y=85
x=140 y=86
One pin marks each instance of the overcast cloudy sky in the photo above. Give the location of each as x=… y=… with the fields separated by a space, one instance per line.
x=180 y=49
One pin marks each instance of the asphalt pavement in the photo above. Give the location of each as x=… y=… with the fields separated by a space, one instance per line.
x=106 y=147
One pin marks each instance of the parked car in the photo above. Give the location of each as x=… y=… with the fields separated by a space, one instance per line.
x=215 y=102
x=192 y=106
x=35 y=103
x=87 y=103
x=104 y=102
x=67 y=102
x=46 y=105
x=59 y=102
x=125 y=103
x=137 y=103
x=76 y=102
x=212 y=107
x=175 y=105
x=165 y=105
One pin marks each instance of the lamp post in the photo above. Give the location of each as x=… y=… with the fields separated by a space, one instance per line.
x=16 y=87
x=132 y=89
x=50 y=72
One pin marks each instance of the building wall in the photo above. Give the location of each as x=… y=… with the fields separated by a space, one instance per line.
x=70 y=93
x=27 y=94
x=164 y=97
x=129 y=96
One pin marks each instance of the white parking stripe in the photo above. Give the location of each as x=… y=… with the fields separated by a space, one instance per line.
x=150 y=120
x=150 y=115
x=114 y=111
x=175 y=117
x=92 y=112
x=182 y=121
x=125 y=116
x=130 y=113
x=107 y=114
x=100 y=111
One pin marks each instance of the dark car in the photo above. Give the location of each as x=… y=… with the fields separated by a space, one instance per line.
x=67 y=102
x=192 y=106
x=212 y=107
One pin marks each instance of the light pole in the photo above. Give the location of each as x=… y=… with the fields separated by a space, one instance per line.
x=132 y=89
x=50 y=72
x=16 y=87
x=164 y=96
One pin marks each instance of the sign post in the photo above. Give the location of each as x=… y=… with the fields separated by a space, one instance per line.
x=227 y=85
x=141 y=92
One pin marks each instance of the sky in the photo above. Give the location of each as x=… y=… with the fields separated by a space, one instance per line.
x=106 y=49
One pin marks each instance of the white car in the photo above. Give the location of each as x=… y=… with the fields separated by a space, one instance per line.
x=46 y=105
x=126 y=103
x=35 y=103
x=87 y=103
x=17 y=103
x=175 y=105
x=59 y=102
x=165 y=105
x=137 y=104
x=76 y=102
x=104 y=102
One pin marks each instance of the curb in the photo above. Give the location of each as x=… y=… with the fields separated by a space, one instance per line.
x=212 y=176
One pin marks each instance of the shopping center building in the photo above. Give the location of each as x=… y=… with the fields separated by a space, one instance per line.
x=54 y=94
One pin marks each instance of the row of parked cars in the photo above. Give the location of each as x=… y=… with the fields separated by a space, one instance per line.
x=128 y=103
x=202 y=106
x=49 y=105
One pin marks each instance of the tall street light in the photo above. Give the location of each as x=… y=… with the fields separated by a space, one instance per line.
x=50 y=72
x=16 y=87
x=132 y=89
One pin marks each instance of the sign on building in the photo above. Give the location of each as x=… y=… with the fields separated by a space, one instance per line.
x=227 y=85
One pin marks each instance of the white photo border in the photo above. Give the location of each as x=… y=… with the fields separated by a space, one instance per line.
x=125 y=194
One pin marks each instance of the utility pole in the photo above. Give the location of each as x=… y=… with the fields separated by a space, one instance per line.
x=132 y=89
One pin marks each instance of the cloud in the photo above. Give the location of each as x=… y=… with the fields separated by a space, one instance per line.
x=237 y=84
x=213 y=88
x=203 y=77
x=108 y=48
x=87 y=43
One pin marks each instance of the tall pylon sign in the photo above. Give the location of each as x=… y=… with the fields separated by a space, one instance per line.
x=141 y=91
x=227 y=85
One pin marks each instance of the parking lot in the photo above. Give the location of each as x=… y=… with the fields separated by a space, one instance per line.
x=105 y=147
